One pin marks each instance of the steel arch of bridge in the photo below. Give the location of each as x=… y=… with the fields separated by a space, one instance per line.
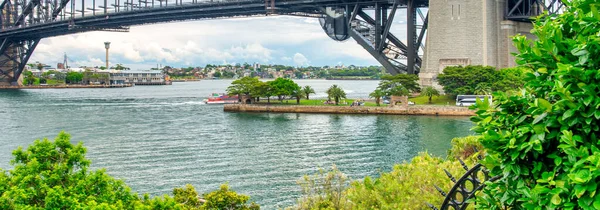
x=23 y=23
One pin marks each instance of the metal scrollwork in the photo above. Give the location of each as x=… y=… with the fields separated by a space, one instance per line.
x=465 y=187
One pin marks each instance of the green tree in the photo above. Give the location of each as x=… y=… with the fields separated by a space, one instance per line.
x=243 y=86
x=227 y=199
x=264 y=89
x=510 y=79
x=459 y=80
x=542 y=142
x=324 y=190
x=283 y=87
x=430 y=92
x=298 y=94
x=307 y=91
x=55 y=175
x=121 y=67
x=74 y=77
x=217 y=74
x=336 y=93
x=399 y=85
x=409 y=81
x=398 y=91
x=377 y=95
x=187 y=196
x=482 y=89
x=29 y=78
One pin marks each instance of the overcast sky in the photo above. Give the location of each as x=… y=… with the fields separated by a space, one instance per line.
x=295 y=41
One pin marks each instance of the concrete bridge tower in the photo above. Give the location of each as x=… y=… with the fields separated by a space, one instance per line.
x=468 y=32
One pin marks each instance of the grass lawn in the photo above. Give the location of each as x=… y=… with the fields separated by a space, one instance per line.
x=436 y=100
x=312 y=102
x=54 y=82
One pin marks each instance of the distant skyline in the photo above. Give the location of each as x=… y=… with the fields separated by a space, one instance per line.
x=286 y=40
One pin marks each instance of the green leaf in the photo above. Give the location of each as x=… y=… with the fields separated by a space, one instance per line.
x=544 y=104
x=556 y=200
x=579 y=52
x=568 y=114
x=543 y=70
x=539 y=118
x=597 y=202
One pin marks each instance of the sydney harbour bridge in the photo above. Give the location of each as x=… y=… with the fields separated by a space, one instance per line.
x=25 y=22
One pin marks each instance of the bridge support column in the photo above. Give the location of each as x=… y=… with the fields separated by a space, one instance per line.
x=464 y=32
x=14 y=55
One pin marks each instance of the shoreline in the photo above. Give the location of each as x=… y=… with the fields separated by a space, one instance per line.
x=8 y=87
x=430 y=110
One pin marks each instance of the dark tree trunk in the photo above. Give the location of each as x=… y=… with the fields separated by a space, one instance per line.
x=297 y=100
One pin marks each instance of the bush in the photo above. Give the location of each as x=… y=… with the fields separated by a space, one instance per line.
x=55 y=175
x=407 y=186
x=324 y=190
x=469 y=80
x=544 y=141
x=465 y=147
x=227 y=199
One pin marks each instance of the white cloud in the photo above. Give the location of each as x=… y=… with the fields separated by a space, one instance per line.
x=196 y=43
x=300 y=60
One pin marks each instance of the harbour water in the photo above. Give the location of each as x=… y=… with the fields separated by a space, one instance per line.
x=157 y=138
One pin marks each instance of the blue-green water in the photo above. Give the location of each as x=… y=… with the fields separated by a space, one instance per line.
x=157 y=138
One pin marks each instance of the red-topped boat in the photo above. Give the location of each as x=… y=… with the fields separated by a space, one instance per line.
x=221 y=98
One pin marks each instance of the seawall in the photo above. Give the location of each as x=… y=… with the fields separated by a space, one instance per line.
x=62 y=86
x=411 y=110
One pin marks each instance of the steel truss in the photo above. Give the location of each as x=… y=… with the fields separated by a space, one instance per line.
x=526 y=10
x=14 y=55
x=373 y=34
x=23 y=23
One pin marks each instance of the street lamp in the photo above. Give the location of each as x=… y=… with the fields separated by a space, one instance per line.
x=107 y=46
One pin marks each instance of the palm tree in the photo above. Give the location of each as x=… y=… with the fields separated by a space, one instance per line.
x=307 y=91
x=298 y=94
x=336 y=93
x=377 y=94
x=430 y=92
x=398 y=91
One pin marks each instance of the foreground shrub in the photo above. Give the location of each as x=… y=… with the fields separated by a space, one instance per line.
x=227 y=199
x=464 y=147
x=544 y=142
x=324 y=190
x=55 y=175
x=407 y=186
